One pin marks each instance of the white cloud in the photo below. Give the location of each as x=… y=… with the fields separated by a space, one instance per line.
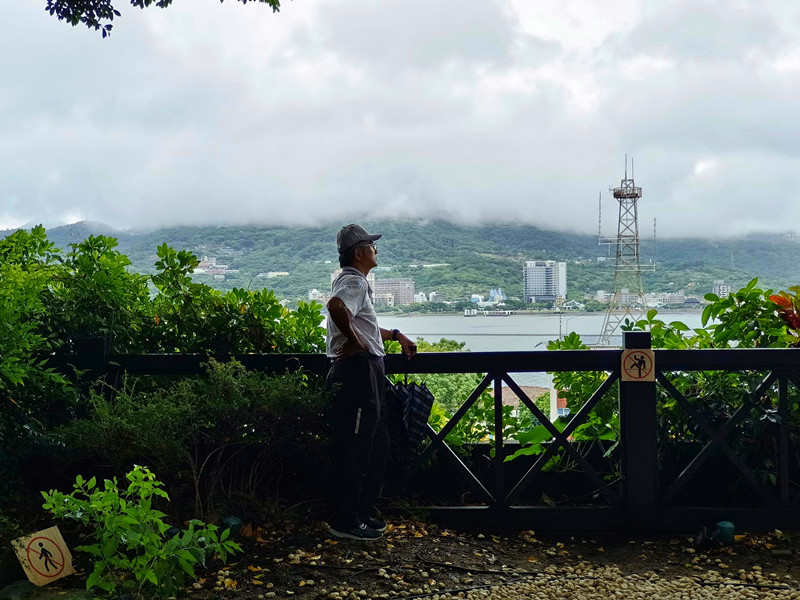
x=470 y=110
x=706 y=167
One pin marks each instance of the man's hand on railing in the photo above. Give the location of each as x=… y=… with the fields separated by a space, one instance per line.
x=409 y=348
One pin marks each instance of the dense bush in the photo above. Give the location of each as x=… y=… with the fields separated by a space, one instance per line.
x=226 y=433
x=51 y=302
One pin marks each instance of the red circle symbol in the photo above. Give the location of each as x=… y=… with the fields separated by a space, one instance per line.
x=637 y=365
x=47 y=555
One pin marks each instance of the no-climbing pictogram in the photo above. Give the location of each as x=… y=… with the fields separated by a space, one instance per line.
x=638 y=365
x=44 y=556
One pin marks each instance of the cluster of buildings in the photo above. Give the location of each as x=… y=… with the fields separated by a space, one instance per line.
x=653 y=300
x=496 y=296
x=659 y=299
x=545 y=281
x=210 y=266
x=386 y=292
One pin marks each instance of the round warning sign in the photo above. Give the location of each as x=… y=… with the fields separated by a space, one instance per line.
x=45 y=556
x=638 y=365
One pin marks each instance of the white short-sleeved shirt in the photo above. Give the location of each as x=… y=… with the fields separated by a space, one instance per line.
x=352 y=289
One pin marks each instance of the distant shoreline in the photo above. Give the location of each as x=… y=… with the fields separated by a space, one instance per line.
x=532 y=313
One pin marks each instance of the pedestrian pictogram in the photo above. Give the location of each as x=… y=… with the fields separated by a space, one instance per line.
x=638 y=365
x=44 y=556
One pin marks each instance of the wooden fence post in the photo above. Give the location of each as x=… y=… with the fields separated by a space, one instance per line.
x=92 y=354
x=639 y=432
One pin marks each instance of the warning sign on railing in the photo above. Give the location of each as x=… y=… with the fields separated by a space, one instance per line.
x=44 y=556
x=638 y=365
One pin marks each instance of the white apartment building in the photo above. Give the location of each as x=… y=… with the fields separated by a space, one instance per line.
x=420 y=297
x=544 y=281
x=721 y=289
x=402 y=289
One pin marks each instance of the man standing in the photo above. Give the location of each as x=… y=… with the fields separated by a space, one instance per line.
x=357 y=380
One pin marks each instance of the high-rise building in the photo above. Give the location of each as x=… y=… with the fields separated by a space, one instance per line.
x=544 y=281
x=721 y=289
x=402 y=289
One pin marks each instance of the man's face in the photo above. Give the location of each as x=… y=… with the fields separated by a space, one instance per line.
x=369 y=254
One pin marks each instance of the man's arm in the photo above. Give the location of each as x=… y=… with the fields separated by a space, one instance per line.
x=409 y=348
x=341 y=318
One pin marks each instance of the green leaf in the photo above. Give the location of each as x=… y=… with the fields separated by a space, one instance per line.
x=679 y=326
x=535 y=436
x=706 y=314
x=534 y=449
x=93 y=549
x=188 y=535
x=187 y=567
x=150 y=576
x=94 y=578
x=110 y=546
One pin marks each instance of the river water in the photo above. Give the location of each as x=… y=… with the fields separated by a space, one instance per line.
x=518 y=332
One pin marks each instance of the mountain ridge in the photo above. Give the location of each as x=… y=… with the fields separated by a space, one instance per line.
x=478 y=256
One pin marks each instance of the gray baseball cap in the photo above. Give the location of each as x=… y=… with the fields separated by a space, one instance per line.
x=352 y=234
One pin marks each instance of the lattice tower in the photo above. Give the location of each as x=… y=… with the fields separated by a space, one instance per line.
x=628 y=300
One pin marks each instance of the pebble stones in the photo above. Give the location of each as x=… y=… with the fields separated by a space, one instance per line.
x=595 y=582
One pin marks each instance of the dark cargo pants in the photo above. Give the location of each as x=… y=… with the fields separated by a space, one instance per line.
x=360 y=436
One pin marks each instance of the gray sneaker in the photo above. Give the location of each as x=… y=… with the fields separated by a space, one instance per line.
x=359 y=532
x=375 y=523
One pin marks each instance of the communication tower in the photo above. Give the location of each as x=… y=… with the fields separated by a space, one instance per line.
x=628 y=300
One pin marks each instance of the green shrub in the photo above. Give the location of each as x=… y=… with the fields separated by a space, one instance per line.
x=51 y=300
x=131 y=548
x=201 y=430
x=748 y=318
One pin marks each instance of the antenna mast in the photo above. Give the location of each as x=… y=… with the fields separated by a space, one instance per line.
x=654 y=241
x=599 y=215
x=628 y=300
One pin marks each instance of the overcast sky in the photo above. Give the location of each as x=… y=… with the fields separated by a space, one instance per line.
x=470 y=110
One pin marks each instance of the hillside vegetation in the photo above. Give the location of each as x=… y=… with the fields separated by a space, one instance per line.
x=478 y=257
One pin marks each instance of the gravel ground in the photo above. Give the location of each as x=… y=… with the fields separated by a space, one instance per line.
x=420 y=560
x=610 y=582
x=291 y=557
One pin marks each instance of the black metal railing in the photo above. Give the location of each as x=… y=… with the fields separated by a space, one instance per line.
x=641 y=499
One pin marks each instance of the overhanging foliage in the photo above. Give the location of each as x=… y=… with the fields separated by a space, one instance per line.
x=98 y=14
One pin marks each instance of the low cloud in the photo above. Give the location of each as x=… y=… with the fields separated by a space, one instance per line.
x=471 y=111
